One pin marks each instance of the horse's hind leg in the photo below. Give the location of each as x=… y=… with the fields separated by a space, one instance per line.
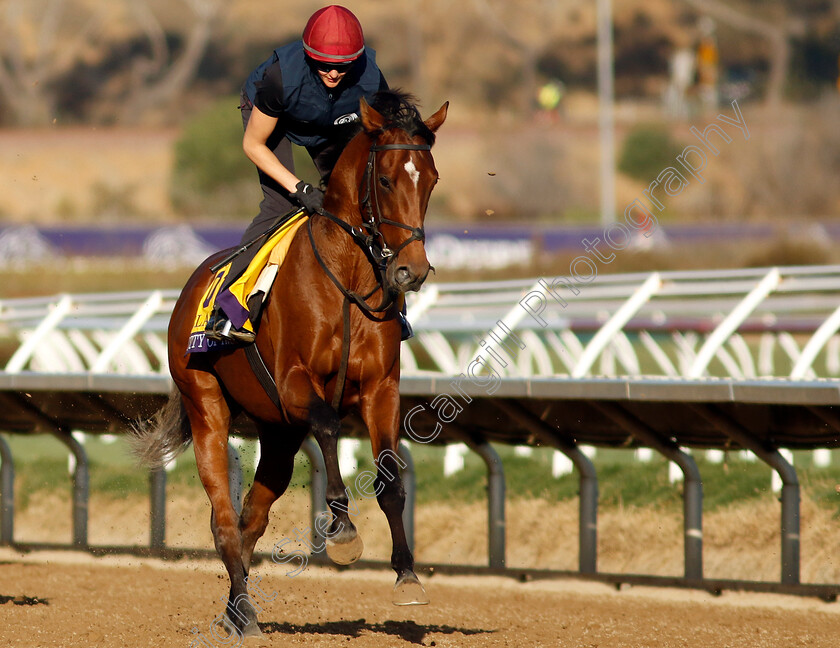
x=274 y=472
x=210 y=419
x=344 y=546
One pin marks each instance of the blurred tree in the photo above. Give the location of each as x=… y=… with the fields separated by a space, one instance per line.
x=42 y=41
x=161 y=77
x=211 y=177
x=31 y=60
x=503 y=19
x=647 y=150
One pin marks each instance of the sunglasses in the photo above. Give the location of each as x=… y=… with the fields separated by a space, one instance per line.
x=323 y=66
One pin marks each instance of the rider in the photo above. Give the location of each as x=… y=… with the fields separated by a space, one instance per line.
x=303 y=93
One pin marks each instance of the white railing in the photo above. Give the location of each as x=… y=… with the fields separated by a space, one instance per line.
x=779 y=322
x=121 y=333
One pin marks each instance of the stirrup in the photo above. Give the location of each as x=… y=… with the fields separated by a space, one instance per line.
x=220 y=328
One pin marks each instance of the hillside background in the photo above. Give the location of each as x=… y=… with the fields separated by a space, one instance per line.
x=97 y=97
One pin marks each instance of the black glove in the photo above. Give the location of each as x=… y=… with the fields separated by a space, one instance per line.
x=308 y=197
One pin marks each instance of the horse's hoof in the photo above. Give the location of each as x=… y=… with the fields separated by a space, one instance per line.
x=345 y=553
x=409 y=591
x=252 y=631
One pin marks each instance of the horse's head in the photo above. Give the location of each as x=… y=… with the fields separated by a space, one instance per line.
x=398 y=179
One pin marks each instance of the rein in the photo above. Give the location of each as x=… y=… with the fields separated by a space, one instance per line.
x=368 y=237
x=366 y=243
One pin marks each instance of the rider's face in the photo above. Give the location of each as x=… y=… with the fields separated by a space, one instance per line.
x=331 y=78
x=332 y=73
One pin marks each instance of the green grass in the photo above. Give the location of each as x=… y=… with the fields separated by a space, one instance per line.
x=39 y=476
x=41 y=466
x=622 y=481
x=90 y=275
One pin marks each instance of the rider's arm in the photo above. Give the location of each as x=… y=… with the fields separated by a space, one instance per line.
x=259 y=129
x=269 y=107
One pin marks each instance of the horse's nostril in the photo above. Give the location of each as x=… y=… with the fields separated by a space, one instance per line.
x=403 y=276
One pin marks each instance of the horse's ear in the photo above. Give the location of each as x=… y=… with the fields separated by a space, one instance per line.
x=438 y=118
x=371 y=119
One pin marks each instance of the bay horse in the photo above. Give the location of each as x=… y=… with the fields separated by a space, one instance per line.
x=366 y=247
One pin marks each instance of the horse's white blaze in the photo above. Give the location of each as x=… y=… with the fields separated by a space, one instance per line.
x=413 y=173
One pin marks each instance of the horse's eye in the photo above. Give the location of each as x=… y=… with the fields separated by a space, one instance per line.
x=385 y=182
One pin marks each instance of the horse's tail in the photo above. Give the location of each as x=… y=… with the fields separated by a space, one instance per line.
x=157 y=441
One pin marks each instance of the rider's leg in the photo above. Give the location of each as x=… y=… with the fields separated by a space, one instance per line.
x=275 y=203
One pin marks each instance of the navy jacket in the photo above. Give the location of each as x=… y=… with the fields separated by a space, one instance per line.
x=286 y=87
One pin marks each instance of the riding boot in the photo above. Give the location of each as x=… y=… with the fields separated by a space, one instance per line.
x=406 y=332
x=214 y=328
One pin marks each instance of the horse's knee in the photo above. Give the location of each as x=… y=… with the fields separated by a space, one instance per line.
x=225 y=528
x=253 y=522
x=389 y=491
x=323 y=421
x=224 y=517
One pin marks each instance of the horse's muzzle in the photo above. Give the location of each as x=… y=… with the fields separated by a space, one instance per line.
x=405 y=278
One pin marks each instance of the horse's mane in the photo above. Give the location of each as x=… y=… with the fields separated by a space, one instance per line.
x=399 y=110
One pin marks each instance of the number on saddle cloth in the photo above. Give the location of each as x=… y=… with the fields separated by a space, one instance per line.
x=242 y=300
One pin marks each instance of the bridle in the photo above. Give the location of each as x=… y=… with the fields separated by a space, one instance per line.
x=368 y=236
x=371 y=208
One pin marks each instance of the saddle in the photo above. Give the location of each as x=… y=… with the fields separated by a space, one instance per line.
x=244 y=296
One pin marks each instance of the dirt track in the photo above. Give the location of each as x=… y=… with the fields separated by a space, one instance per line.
x=117 y=601
x=741 y=541
x=131 y=602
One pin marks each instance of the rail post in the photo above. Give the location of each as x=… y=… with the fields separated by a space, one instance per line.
x=692 y=484
x=157 y=506
x=81 y=486
x=7 y=494
x=790 y=487
x=588 y=496
x=495 y=502
x=235 y=479
x=409 y=483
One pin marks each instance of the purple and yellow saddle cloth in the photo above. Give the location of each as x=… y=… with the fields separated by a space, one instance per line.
x=257 y=278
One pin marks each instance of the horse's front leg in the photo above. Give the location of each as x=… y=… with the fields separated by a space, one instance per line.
x=344 y=546
x=380 y=409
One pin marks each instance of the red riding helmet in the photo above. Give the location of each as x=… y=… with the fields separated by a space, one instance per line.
x=333 y=35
